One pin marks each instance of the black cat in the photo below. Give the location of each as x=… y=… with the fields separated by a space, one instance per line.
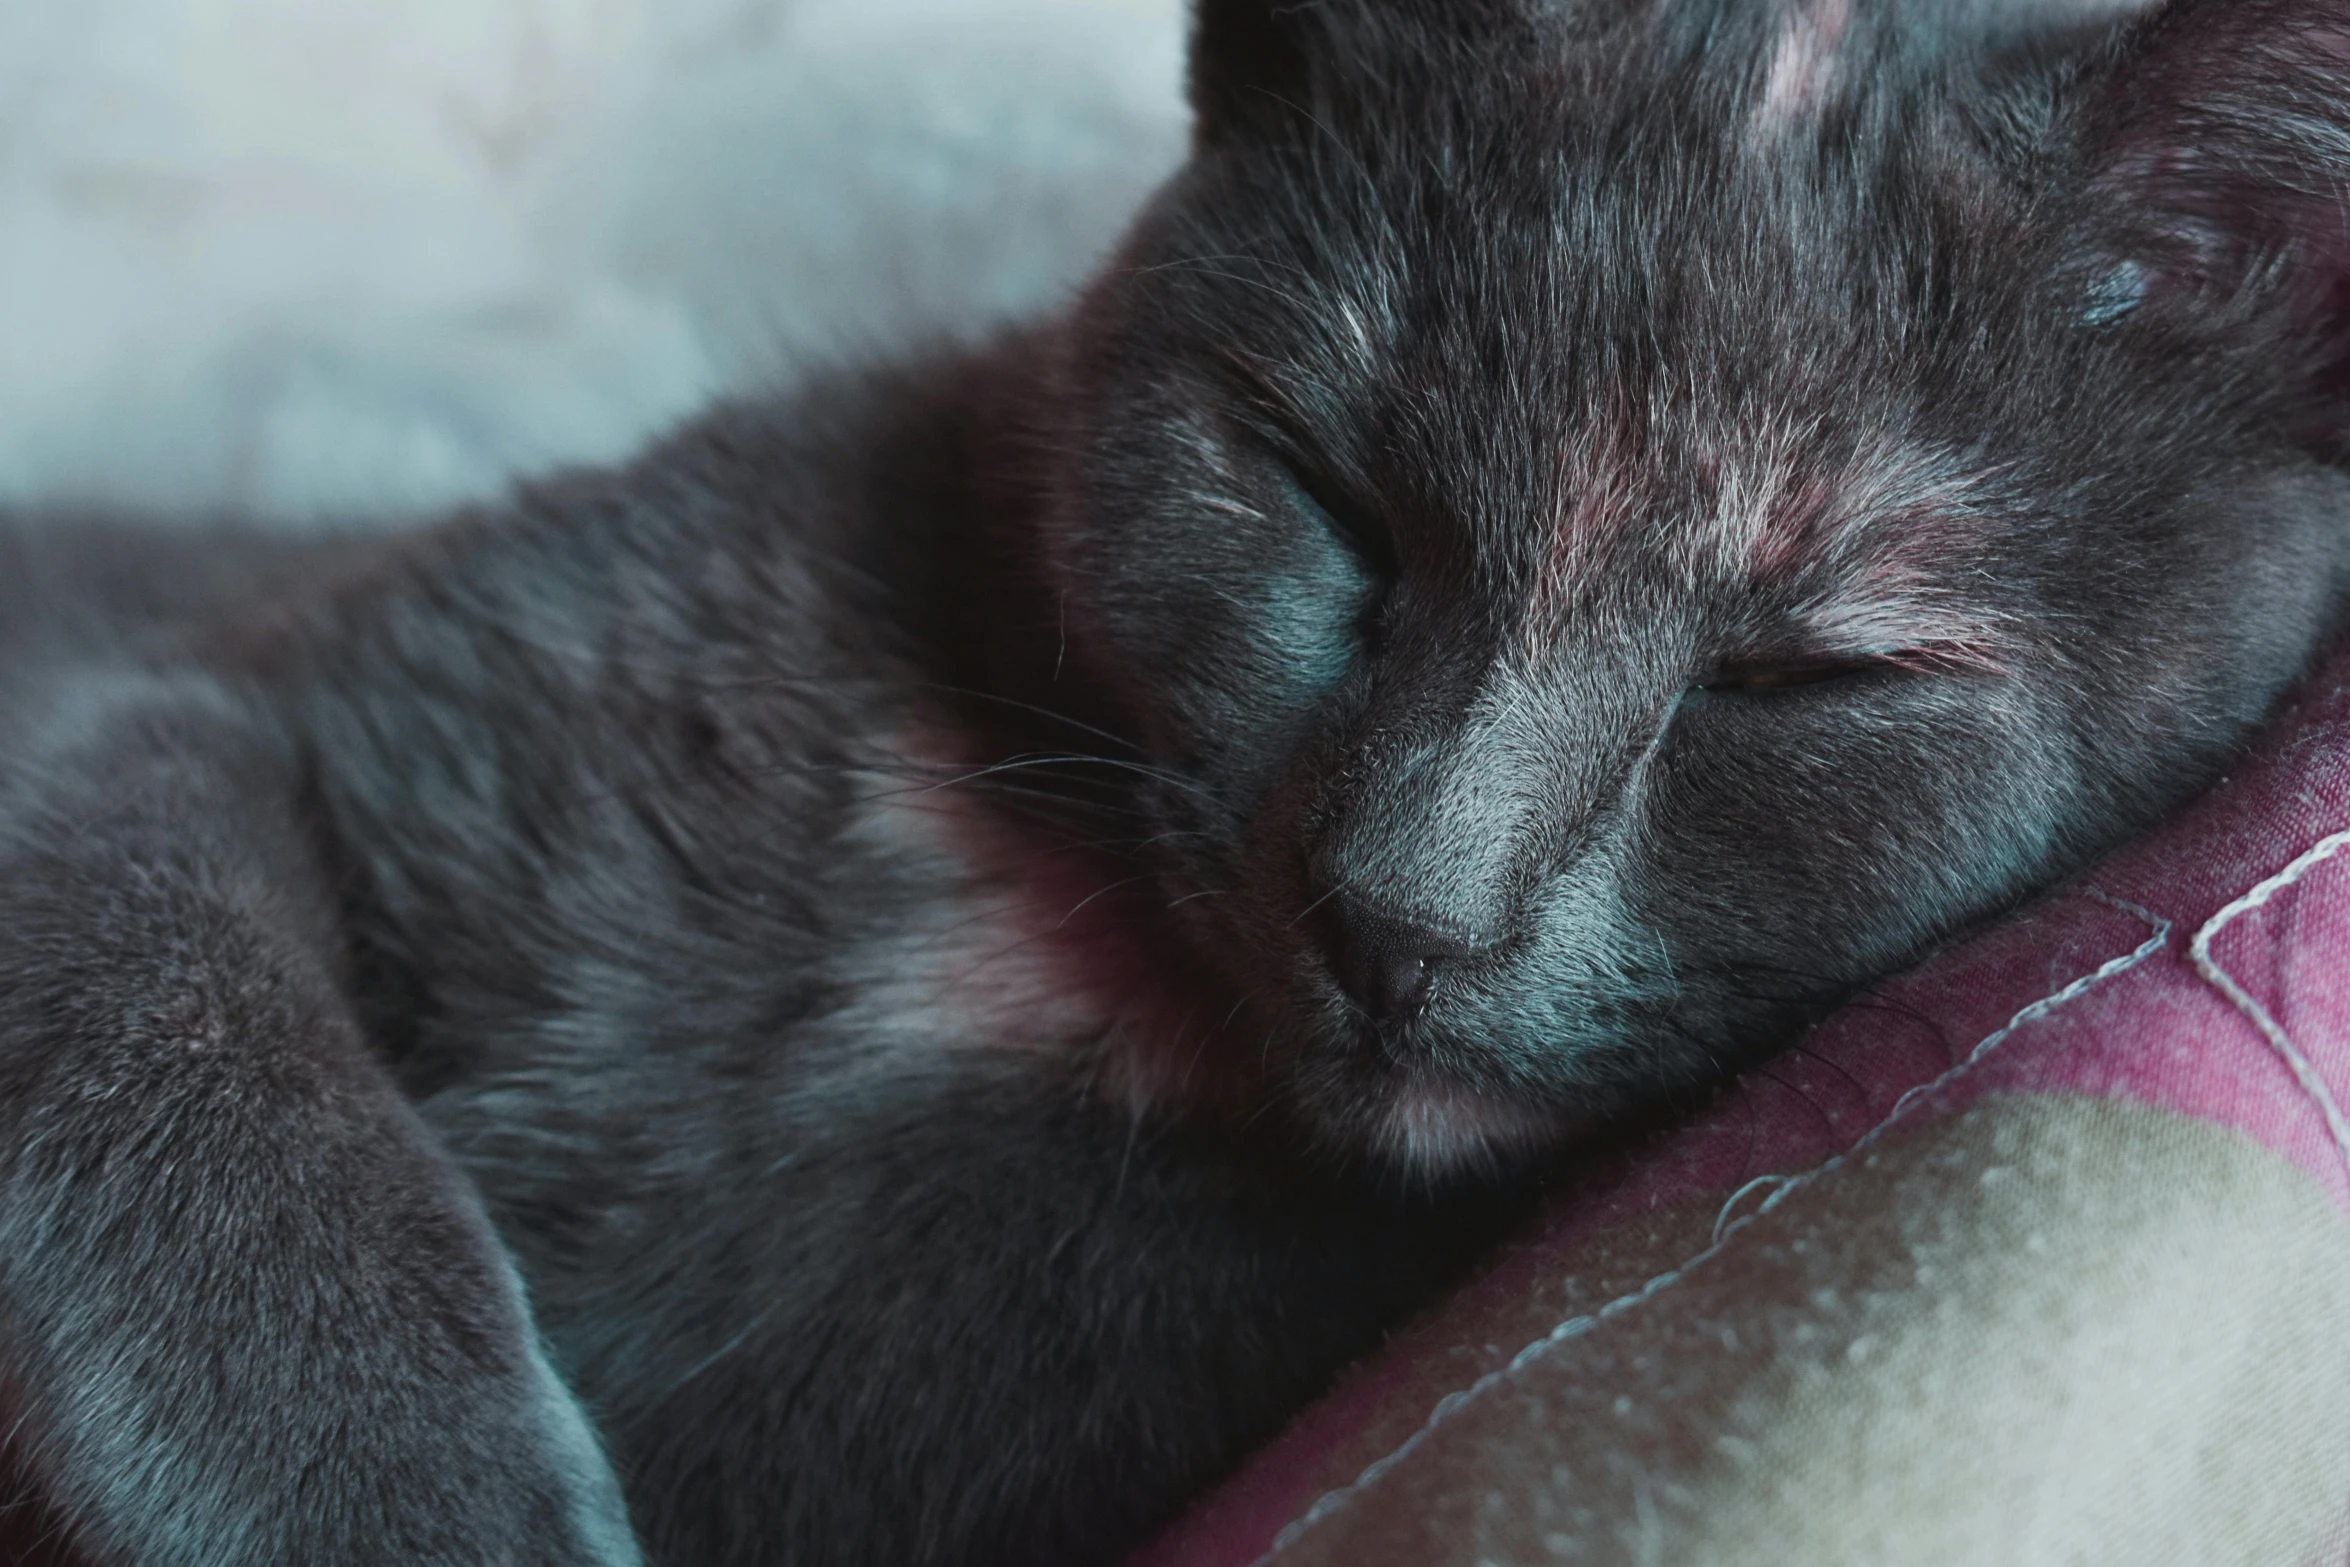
x=964 y=937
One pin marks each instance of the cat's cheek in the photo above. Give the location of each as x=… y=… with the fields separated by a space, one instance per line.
x=1025 y=946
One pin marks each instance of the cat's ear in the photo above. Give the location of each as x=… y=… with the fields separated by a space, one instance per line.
x=2218 y=143
x=1247 y=58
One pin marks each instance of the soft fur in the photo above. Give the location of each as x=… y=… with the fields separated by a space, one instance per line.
x=964 y=936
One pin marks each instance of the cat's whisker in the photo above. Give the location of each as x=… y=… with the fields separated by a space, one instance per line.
x=1030 y=707
x=1099 y=893
x=1237 y=1005
x=1303 y=914
x=1076 y=759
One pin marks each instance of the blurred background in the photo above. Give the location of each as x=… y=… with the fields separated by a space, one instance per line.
x=307 y=257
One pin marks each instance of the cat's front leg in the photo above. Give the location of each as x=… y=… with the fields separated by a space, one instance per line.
x=252 y=1314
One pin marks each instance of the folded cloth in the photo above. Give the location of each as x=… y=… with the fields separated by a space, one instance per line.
x=2037 y=1254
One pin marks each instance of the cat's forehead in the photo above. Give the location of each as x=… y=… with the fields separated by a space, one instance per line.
x=1744 y=408
x=1694 y=138
x=1677 y=482
x=1639 y=291
x=1726 y=503
x=1788 y=534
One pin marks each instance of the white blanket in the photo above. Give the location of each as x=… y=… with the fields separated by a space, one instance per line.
x=293 y=257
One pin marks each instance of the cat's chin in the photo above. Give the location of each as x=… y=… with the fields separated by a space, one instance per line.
x=1432 y=1127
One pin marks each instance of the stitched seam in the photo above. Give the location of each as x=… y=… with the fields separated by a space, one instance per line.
x=2304 y=1071
x=1786 y=1185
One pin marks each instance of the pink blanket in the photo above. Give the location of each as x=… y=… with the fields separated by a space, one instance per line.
x=2040 y=1254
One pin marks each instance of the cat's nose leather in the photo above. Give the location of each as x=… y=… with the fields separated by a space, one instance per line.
x=1388 y=962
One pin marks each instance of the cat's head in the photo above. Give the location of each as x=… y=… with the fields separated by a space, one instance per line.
x=1614 y=520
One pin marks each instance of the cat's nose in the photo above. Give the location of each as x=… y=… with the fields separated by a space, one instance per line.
x=1389 y=962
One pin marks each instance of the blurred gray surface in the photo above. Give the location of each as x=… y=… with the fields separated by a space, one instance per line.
x=292 y=259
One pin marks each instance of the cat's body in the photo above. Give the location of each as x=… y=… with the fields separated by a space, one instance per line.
x=973 y=932
x=811 y=1092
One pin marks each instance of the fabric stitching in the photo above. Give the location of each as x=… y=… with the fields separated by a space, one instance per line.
x=1574 y=1327
x=2303 y=1069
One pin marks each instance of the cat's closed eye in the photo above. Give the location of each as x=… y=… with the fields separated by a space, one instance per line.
x=1313 y=493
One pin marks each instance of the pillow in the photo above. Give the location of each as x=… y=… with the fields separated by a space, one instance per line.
x=2039 y=1253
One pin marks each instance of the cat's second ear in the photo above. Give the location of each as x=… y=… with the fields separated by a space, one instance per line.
x=2218 y=136
x=1248 y=57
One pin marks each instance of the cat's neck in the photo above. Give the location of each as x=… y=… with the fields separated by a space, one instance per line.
x=1044 y=761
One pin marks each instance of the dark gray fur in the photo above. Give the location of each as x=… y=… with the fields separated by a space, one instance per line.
x=970 y=933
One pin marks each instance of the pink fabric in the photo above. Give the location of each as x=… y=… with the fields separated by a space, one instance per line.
x=2119 y=985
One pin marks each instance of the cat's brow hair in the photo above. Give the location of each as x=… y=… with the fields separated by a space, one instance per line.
x=1890 y=526
x=1774 y=503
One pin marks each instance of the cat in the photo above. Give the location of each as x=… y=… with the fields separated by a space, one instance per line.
x=903 y=977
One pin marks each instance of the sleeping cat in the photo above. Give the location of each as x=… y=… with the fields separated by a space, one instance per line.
x=899 y=980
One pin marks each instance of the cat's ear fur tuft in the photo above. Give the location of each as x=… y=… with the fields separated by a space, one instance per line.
x=1247 y=59
x=2218 y=139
